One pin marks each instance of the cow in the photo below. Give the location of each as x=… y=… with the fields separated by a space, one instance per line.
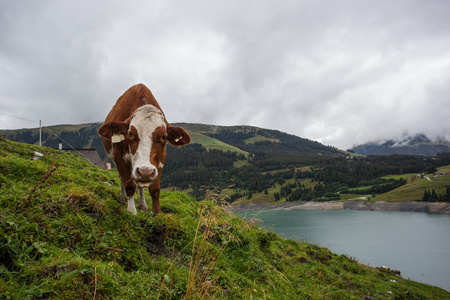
x=134 y=136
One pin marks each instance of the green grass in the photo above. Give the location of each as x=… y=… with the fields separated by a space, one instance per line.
x=64 y=235
x=403 y=176
x=415 y=187
x=413 y=190
x=260 y=138
x=212 y=143
x=241 y=163
x=269 y=198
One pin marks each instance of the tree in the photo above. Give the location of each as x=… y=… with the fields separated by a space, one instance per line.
x=447 y=194
x=426 y=195
x=277 y=196
x=434 y=195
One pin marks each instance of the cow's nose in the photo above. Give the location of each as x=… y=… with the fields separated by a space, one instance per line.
x=145 y=174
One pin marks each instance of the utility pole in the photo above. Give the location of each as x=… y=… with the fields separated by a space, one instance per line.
x=40 y=133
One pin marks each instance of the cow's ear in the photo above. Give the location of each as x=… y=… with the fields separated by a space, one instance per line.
x=177 y=136
x=111 y=129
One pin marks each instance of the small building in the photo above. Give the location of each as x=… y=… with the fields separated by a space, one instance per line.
x=440 y=174
x=91 y=155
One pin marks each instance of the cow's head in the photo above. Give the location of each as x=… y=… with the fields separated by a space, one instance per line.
x=141 y=139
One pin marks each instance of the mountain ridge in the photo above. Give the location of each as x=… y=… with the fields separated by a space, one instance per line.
x=244 y=163
x=418 y=144
x=240 y=138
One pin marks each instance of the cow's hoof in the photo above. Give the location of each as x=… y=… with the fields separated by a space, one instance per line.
x=133 y=211
x=143 y=207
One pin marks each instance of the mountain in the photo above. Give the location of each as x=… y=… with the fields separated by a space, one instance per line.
x=244 y=140
x=259 y=140
x=81 y=136
x=243 y=163
x=418 y=144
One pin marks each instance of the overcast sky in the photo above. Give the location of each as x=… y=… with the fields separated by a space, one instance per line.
x=338 y=72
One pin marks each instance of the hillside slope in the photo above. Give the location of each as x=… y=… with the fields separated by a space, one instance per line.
x=240 y=139
x=254 y=139
x=63 y=235
x=80 y=136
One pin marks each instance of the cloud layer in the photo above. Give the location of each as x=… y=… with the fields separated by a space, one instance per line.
x=339 y=72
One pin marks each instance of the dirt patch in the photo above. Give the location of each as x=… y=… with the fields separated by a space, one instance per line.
x=155 y=240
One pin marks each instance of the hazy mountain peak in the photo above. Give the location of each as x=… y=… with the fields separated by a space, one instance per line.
x=418 y=144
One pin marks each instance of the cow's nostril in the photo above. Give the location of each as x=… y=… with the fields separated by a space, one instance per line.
x=145 y=174
x=138 y=173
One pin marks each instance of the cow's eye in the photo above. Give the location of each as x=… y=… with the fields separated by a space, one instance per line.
x=130 y=134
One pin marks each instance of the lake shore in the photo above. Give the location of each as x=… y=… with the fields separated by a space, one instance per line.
x=413 y=206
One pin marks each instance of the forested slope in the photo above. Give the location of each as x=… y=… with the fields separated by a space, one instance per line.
x=239 y=162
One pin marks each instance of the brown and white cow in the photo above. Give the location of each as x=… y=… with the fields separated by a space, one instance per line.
x=134 y=136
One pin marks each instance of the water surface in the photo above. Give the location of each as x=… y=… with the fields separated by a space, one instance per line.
x=417 y=244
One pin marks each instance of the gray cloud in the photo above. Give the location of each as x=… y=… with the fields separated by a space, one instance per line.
x=340 y=72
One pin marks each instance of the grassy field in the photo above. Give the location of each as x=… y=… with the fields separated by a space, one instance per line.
x=260 y=138
x=416 y=186
x=212 y=143
x=64 y=235
x=413 y=190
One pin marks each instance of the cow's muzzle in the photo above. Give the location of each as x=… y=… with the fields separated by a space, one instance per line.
x=144 y=176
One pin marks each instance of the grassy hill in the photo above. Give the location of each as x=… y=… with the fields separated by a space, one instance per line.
x=412 y=190
x=249 y=164
x=80 y=136
x=416 y=185
x=212 y=143
x=239 y=139
x=63 y=235
x=255 y=139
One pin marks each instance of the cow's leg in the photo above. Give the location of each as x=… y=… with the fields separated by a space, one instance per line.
x=130 y=189
x=154 y=192
x=130 y=207
x=142 y=203
x=123 y=193
x=127 y=185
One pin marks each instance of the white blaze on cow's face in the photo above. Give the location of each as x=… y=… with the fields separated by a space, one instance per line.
x=146 y=134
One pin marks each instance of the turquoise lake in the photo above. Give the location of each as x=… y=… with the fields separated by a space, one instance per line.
x=417 y=244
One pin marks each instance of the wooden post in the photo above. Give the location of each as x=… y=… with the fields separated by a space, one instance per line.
x=40 y=133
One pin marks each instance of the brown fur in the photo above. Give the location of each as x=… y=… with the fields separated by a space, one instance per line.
x=118 y=122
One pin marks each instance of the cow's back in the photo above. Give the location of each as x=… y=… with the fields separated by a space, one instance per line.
x=135 y=97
